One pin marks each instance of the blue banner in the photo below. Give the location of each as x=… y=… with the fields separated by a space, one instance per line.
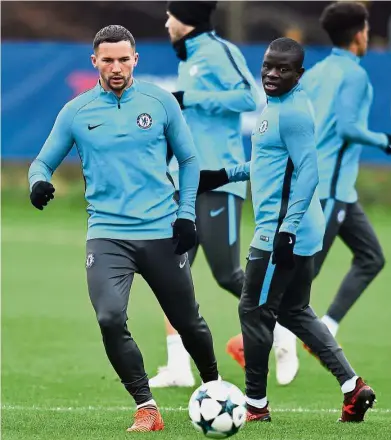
x=38 y=78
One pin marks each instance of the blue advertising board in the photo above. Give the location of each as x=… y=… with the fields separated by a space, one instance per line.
x=38 y=78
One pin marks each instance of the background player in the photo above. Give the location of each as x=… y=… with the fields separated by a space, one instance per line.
x=289 y=231
x=214 y=87
x=121 y=129
x=341 y=94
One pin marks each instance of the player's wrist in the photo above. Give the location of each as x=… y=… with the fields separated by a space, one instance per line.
x=185 y=215
x=288 y=228
x=212 y=179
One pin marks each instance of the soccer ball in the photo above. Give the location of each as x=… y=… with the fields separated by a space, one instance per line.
x=217 y=409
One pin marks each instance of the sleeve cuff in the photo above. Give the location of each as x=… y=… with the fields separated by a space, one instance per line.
x=289 y=228
x=185 y=213
x=34 y=179
x=230 y=172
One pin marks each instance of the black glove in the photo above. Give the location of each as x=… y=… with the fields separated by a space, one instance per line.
x=211 y=180
x=388 y=148
x=283 y=250
x=185 y=234
x=179 y=97
x=41 y=194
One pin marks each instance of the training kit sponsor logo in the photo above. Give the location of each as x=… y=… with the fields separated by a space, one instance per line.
x=144 y=121
x=264 y=238
x=263 y=127
x=90 y=260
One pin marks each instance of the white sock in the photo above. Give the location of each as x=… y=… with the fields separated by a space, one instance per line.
x=349 y=385
x=178 y=357
x=257 y=403
x=331 y=324
x=149 y=403
x=284 y=338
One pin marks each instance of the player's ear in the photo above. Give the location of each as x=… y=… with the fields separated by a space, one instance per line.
x=300 y=73
x=93 y=60
x=136 y=58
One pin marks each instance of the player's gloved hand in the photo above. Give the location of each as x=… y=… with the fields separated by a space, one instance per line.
x=41 y=193
x=388 y=148
x=283 y=245
x=185 y=234
x=179 y=97
x=211 y=180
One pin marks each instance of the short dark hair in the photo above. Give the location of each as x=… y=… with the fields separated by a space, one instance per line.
x=343 y=20
x=285 y=44
x=113 y=34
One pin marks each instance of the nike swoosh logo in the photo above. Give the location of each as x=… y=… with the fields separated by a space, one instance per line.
x=252 y=258
x=290 y=240
x=215 y=213
x=182 y=265
x=91 y=127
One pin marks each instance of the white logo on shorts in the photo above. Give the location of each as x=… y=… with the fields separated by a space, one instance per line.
x=182 y=264
x=90 y=260
x=341 y=216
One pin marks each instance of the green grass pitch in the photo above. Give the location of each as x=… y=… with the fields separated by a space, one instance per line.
x=58 y=384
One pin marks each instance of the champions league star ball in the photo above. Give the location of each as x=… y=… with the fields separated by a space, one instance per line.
x=217 y=409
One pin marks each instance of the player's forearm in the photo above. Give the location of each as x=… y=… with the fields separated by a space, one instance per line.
x=306 y=183
x=239 y=100
x=352 y=132
x=39 y=170
x=239 y=173
x=189 y=176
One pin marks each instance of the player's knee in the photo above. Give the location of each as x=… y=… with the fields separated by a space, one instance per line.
x=379 y=262
x=371 y=263
x=285 y=320
x=185 y=326
x=110 y=320
x=242 y=310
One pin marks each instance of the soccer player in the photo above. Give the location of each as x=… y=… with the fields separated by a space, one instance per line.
x=341 y=95
x=289 y=232
x=122 y=128
x=215 y=87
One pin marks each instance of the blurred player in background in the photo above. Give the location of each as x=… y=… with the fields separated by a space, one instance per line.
x=214 y=87
x=122 y=129
x=341 y=94
x=289 y=232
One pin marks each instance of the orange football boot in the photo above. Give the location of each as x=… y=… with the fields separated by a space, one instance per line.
x=147 y=418
x=235 y=349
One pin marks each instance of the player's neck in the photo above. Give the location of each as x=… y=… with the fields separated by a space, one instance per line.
x=353 y=48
